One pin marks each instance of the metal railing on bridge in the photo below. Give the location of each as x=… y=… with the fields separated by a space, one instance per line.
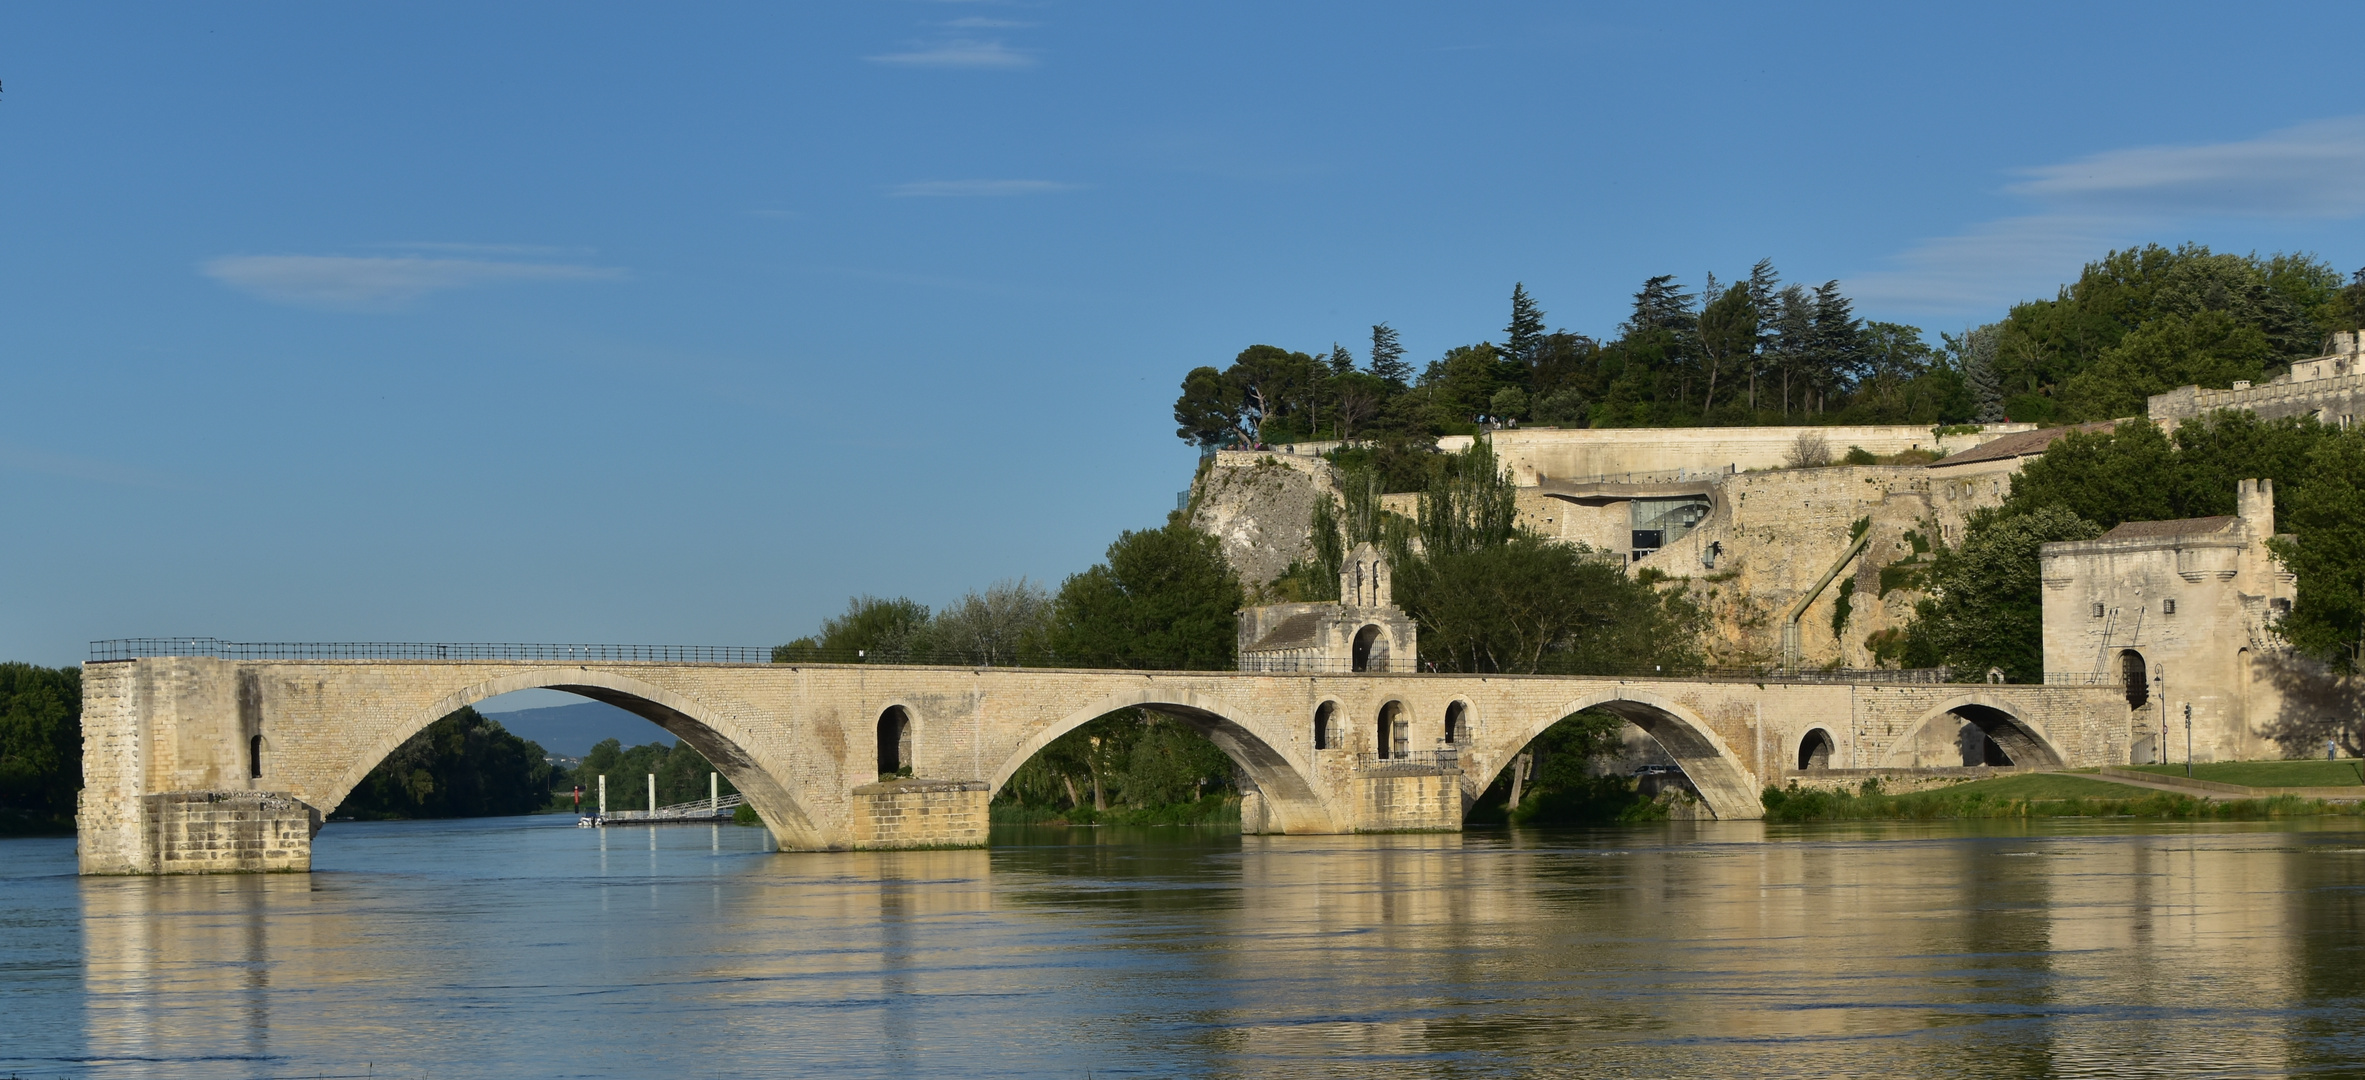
x=1428 y=759
x=1268 y=664
x=137 y=648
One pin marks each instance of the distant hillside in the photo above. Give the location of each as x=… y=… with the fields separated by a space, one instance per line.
x=572 y=730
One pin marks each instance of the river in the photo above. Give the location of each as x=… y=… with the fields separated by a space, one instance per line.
x=523 y=947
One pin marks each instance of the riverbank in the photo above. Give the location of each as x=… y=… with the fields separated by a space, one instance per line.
x=2036 y=795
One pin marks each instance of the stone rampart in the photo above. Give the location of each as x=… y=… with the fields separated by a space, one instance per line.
x=1530 y=455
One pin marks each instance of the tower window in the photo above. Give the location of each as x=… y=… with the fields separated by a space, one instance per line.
x=2097 y=611
x=2167 y=607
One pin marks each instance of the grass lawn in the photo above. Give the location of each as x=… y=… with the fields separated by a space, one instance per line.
x=2034 y=786
x=2299 y=773
x=2031 y=795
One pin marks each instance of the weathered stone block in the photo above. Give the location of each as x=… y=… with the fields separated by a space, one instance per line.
x=219 y=832
x=920 y=813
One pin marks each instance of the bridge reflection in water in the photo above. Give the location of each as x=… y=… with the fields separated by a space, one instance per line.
x=499 y=948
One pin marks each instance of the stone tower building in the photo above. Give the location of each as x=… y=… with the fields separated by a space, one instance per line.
x=1363 y=630
x=2176 y=613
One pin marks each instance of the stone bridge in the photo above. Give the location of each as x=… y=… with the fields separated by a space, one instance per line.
x=198 y=764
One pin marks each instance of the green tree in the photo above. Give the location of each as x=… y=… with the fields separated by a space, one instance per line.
x=1208 y=413
x=1984 y=608
x=1525 y=336
x=1007 y=621
x=464 y=765
x=681 y=773
x=1728 y=336
x=1531 y=605
x=1164 y=599
x=40 y=747
x=1469 y=505
x=2326 y=550
x=1387 y=356
x=872 y=630
x=2206 y=348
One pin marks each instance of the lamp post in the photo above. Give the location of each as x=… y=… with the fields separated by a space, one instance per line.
x=2159 y=680
x=2188 y=740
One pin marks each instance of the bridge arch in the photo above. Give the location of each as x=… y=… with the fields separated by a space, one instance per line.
x=2013 y=734
x=714 y=734
x=1291 y=804
x=1729 y=789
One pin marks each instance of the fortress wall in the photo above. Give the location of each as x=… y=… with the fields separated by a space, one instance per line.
x=2334 y=399
x=1562 y=454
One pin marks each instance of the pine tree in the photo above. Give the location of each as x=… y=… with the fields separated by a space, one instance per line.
x=1525 y=335
x=1838 y=343
x=1387 y=356
x=1341 y=361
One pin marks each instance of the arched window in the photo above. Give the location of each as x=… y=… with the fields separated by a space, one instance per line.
x=1324 y=717
x=2135 y=678
x=1814 y=751
x=1365 y=639
x=1457 y=726
x=1392 y=736
x=895 y=741
x=254 y=758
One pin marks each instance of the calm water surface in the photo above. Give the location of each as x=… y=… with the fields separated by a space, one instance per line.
x=523 y=947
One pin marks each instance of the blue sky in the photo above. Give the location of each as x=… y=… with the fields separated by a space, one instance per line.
x=682 y=323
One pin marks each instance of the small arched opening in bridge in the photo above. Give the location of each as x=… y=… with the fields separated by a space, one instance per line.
x=2134 y=678
x=1457 y=723
x=1367 y=641
x=1600 y=754
x=704 y=756
x=1392 y=731
x=895 y=742
x=1055 y=770
x=1982 y=729
x=1814 y=751
x=1325 y=722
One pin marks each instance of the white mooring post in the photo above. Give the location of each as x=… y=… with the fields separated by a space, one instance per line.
x=714 y=796
x=603 y=794
x=652 y=794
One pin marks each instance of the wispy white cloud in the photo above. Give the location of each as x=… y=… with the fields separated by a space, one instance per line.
x=977 y=22
x=1990 y=266
x=957 y=189
x=2083 y=206
x=367 y=283
x=960 y=53
x=446 y=247
x=2308 y=171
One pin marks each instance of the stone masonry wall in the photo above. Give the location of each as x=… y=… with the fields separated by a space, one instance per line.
x=920 y=813
x=214 y=832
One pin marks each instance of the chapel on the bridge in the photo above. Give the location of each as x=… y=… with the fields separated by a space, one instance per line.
x=1363 y=630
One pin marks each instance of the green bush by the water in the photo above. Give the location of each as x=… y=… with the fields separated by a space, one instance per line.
x=2043 y=795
